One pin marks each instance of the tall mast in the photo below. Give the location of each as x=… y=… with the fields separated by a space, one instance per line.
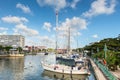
x=56 y=13
x=68 y=39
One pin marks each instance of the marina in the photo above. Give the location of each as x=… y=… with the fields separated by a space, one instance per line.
x=30 y=68
x=72 y=67
x=59 y=40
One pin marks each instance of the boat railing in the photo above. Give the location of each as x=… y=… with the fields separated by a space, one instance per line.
x=62 y=67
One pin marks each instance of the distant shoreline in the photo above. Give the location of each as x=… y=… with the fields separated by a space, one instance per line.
x=12 y=55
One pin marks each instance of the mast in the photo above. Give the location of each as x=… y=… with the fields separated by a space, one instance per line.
x=77 y=43
x=56 y=13
x=68 y=39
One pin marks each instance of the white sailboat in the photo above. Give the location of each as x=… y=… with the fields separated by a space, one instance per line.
x=58 y=68
x=74 y=69
x=77 y=67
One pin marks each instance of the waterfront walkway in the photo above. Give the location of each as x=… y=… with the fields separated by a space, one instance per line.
x=116 y=74
x=99 y=75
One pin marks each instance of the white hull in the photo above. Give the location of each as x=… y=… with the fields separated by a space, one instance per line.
x=61 y=76
x=64 y=69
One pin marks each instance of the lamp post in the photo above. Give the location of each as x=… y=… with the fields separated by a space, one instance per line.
x=97 y=49
x=105 y=55
x=105 y=51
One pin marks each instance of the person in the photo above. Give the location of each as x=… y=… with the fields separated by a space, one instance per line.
x=104 y=61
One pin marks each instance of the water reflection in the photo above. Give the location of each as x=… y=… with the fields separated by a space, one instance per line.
x=59 y=76
x=29 y=68
x=11 y=68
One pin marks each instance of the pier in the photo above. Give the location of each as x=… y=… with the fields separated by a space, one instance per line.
x=12 y=55
x=99 y=75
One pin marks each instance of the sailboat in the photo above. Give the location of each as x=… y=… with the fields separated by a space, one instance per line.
x=71 y=66
x=76 y=67
x=64 y=69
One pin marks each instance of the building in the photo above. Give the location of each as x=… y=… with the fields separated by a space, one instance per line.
x=12 y=40
x=61 y=51
x=34 y=48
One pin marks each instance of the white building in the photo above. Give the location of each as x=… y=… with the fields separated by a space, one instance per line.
x=12 y=40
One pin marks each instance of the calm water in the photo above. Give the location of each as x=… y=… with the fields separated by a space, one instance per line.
x=29 y=68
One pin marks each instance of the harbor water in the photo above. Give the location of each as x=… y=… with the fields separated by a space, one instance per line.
x=29 y=68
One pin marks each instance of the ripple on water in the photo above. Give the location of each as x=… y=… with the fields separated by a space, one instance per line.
x=29 y=68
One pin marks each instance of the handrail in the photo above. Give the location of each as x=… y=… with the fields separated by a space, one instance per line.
x=105 y=70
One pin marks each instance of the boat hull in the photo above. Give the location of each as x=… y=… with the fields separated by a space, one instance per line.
x=63 y=76
x=53 y=68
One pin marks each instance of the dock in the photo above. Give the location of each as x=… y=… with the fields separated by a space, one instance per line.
x=99 y=75
x=12 y=55
x=116 y=74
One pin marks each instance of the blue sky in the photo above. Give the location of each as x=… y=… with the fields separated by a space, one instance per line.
x=89 y=20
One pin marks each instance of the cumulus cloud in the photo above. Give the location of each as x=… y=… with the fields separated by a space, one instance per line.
x=75 y=24
x=24 y=8
x=101 y=7
x=47 y=26
x=47 y=41
x=74 y=3
x=24 y=30
x=3 y=33
x=2 y=29
x=59 y=4
x=95 y=36
x=14 y=19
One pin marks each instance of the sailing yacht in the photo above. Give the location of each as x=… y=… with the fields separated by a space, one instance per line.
x=64 y=65
x=50 y=64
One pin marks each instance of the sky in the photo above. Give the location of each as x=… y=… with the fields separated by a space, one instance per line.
x=88 y=20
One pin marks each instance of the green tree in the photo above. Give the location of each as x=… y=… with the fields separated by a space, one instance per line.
x=7 y=48
x=19 y=49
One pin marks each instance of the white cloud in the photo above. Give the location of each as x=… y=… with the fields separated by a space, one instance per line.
x=47 y=26
x=60 y=4
x=32 y=41
x=76 y=24
x=95 y=36
x=101 y=7
x=2 y=29
x=14 y=19
x=24 y=8
x=3 y=33
x=24 y=30
x=47 y=41
x=74 y=3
